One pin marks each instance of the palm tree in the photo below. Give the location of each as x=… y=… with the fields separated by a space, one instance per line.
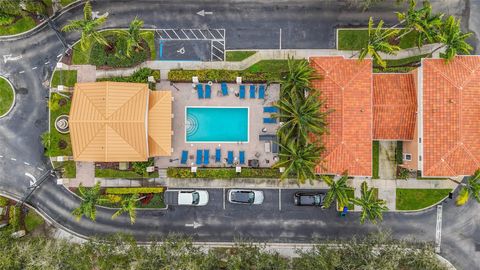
x=453 y=39
x=129 y=206
x=372 y=208
x=469 y=189
x=301 y=117
x=421 y=21
x=90 y=198
x=338 y=190
x=88 y=28
x=378 y=42
x=298 y=159
x=296 y=83
x=133 y=36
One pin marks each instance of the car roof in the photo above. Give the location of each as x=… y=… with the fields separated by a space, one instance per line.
x=241 y=195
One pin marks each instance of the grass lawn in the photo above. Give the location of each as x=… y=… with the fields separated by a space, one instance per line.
x=375 y=159
x=356 y=39
x=64 y=77
x=32 y=220
x=21 y=25
x=111 y=173
x=68 y=168
x=413 y=199
x=276 y=66
x=56 y=150
x=6 y=96
x=150 y=39
x=235 y=56
x=80 y=57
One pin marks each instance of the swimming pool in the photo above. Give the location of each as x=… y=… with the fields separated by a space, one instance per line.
x=216 y=124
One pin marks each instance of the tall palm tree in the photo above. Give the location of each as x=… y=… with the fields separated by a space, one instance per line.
x=469 y=189
x=133 y=36
x=372 y=208
x=88 y=28
x=378 y=42
x=90 y=198
x=301 y=118
x=338 y=190
x=298 y=159
x=297 y=81
x=422 y=21
x=129 y=205
x=453 y=39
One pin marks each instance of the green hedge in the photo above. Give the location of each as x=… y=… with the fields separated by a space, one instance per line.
x=221 y=75
x=139 y=76
x=14 y=217
x=375 y=159
x=399 y=152
x=139 y=190
x=3 y=201
x=113 y=173
x=223 y=173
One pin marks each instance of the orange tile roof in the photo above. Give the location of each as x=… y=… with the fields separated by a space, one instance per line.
x=160 y=123
x=108 y=122
x=394 y=106
x=451 y=109
x=346 y=86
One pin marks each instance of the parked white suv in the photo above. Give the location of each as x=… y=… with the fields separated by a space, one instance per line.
x=186 y=197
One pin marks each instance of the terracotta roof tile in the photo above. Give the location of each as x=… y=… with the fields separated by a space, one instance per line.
x=394 y=106
x=451 y=109
x=346 y=86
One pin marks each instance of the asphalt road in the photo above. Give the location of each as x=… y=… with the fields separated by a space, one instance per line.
x=249 y=25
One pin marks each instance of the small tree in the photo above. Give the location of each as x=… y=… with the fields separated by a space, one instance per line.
x=133 y=37
x=129 y=205
x=372 y=207
x=453 y=39
x=469 y=189
x=297 y=81
x=337 y=190
x=90 y=198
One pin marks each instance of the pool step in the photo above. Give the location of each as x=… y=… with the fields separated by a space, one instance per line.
x=162 y=173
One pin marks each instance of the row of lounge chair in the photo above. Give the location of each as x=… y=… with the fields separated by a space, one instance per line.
x=203 y=157
x=253 y=91
x=270 y=120
x=208 y=91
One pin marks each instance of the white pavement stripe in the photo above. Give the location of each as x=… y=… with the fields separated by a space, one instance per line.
x=1 y=156
x=438 y=232
x=26 y=163
x=193 y=33
x=23 y=71
x=34 y=68
x=40 y=168
x=224 y=199
x=280 y=199
x=48 y=62
x=14 y=159
x=6 y=75
x=58 y=56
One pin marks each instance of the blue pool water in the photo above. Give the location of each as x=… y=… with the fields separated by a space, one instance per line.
x=216 y=124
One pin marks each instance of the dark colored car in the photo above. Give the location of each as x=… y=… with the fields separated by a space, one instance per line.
x=309 y=198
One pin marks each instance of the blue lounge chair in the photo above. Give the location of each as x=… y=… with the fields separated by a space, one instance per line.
x=252 y=91
x=206 y=156
x=200 y=90
x=241 y=157
x=230 y=157
x=224 y=89
x=184 y=157
x=268 y=120
x=199 y=157
x=242 y=91
x=270 y=109
x=218 y=154
x=261 y=91
x=208 y=91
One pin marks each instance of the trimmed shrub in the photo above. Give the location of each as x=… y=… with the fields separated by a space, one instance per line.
x=141 y=167
x=14 y=217
x=139 y=76
x=139 y=190
x=223 y=173
x=113 y=198
x=221 y=75
x=399 y=152
x=3 y=201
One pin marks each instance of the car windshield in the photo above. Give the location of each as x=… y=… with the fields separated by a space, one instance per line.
x=243 y=196
x=196 y=197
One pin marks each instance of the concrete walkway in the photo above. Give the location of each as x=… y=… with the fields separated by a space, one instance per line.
x=387 y=166
x=165 y=66
x=85 y=175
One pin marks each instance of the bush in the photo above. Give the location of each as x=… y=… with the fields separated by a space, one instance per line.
x=399 y=152
x=139 y=76
x=141 y=167
x=3 y=201
x=101 y=55
x=113 y=198
x=223 y=173
x=33 y=220
x=139 y=190
x=14 y=217
x=221 y=75
x=6 y=19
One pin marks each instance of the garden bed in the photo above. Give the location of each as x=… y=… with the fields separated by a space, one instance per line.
x=60 y=144
x=64 y=77
x=115 y=173
x=6 y=96
x=223 y=173
x=139 y=76
x=375 y=159
x=134 y=170
x=112 y=197
x=414 y=199
x=356 y=39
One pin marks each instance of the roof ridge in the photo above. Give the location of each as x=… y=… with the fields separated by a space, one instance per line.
x=471 y=155
x=125 y=140
x=445 y=76
x=470 y=77
x=362 y=70
x=103 y=115
x=91 y=139
x=327 y=72
x=139 y=92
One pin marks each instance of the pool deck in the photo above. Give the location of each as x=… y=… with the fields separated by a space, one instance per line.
x=186 y=96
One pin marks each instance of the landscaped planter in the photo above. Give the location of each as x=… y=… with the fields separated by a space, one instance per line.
x=7 y=97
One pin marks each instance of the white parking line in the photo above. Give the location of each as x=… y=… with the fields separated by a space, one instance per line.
x=14 y=159
x=26 y=163
x=223 y=198
x=48 y=62
x=23 y=71
x=40 y=169
x=438 y=229
x=34 y=68
x=1 y=156
x=280 y=199
x=58 y=56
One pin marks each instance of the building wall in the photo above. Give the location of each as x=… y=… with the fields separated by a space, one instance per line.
x=411 y=147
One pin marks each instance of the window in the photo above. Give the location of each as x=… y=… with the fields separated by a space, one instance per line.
x=407 y=157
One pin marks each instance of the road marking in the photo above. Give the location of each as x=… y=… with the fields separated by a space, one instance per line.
x=40 y=169
x=194 y=225
x=48 y=62
x=6 y=75
x=203 y=13
x=33 y=180
x=26 y=163
x=9 y=57
x=58 y=56
x=14 y=159
x=280 y=39
x=34 y=68
x=1 y=156
x=23 y=71
x=280 y=199
x=223 y=198
x=438 y=234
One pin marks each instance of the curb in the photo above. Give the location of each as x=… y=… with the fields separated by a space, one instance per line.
x=14 y=97
x=42 y=24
